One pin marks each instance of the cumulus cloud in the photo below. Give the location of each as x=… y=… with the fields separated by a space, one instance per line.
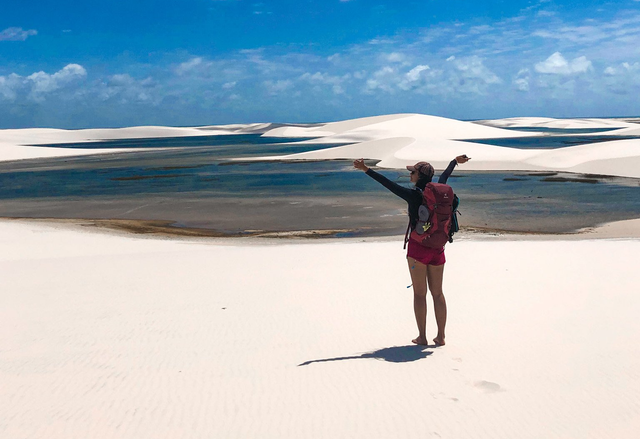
x=469 y=75
x=395 y=57
x=277 y=87
x=384 y=79
x=623 y=68
x=195 y=65
x=16 y=34
x=521 y=81
x=415 y=78
x=126 y=89
x=575 y=34
x=37 y=86
x=473 y=67
x=334 y=81
x=558 y=65
x=455 y=76
x=9 y=86
x=43 y=83
x=414 y=73
x=623 y=79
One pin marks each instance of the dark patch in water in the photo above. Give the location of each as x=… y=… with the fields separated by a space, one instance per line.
x=514 y=179
x=172 y=168
x=144 y=177
x=238 y=163
x=599 y=176
x=542 y=174
x=575 y=180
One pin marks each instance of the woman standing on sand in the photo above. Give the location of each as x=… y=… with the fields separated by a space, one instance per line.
x=426 y=265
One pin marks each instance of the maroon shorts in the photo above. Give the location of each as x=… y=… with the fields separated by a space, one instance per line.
x=426 y=255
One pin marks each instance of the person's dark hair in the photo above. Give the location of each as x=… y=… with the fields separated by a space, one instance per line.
x=425 y=173
x=423 y=180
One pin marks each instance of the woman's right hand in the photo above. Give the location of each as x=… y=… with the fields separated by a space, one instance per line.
x=359 y=164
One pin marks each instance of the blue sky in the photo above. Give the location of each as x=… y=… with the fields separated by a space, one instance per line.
x=74 y=64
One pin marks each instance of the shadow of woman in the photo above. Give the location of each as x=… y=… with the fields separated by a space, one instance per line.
x=395 y=354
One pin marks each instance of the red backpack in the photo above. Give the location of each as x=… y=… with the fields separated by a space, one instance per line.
x=434 y=216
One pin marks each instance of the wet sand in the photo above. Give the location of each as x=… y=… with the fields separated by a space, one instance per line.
x=289 y=217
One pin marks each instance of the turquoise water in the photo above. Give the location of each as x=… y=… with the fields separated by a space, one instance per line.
x=550 y=141
x=200 y=169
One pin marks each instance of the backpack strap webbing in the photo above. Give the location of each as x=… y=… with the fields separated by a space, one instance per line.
x=406 y=234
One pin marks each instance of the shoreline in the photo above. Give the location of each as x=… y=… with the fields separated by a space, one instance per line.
x=623 y=229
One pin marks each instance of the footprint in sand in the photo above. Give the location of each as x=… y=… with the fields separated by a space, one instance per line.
x=488 y=386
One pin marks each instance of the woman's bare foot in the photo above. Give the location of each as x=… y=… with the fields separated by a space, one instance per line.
x=439 y=341
x=420 y=341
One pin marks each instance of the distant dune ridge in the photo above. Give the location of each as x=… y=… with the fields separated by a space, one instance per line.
x=400 y=140
x=395 y=140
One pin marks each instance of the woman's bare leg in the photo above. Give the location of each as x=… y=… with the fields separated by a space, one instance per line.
x=435 y=274
x=419 y=278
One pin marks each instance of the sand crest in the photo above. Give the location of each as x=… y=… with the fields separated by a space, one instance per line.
x=394 y=140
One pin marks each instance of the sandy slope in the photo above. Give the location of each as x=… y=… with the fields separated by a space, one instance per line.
x=395 y=140
x=106 y=336
x=411 y=125
x=406 y=139
x=548 y=122
x=17 y=144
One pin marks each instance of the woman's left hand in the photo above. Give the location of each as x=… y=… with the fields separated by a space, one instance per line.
x=462 y=159
x=359 y=164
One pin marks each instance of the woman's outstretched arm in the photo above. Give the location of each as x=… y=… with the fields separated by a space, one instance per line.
x=447 y=172
x=401 y=191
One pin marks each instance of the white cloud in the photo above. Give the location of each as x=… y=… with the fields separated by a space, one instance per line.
x=395 y=57
x=474 y=68
x=484 y=28
x=16 y=34
x=124 y=89
x=623 y=79
x=384 y=79
x=38 y=85
x=521 y=81
x=575 y=34
x=414 y=73
x=9 y=86
x=194 y=65
x=558 y=65
x=418 y=79
x=623 y=68
x=277 y=87
x=335 y=82
x=42 y=83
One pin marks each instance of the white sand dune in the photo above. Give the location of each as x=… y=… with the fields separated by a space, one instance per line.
x=11 y=151
x=107 y=336
x=548 y=122
x=400 y=141
x=394 y=140
x=408 y=125
x=19 y=144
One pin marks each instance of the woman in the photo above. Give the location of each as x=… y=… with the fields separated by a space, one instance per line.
x=426 y=265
